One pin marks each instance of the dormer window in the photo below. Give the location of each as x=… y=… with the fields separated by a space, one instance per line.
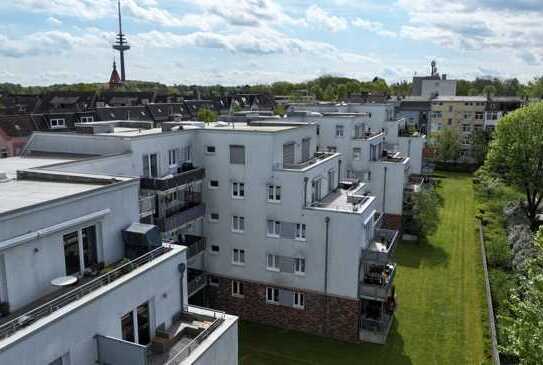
x=57 y=123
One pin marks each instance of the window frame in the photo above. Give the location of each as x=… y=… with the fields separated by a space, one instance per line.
x=301 y=232
x=298 y=301
x=238 y=257
x=274 y=295
x=275 y=191
x=276 y=233
x=57 y=125
x=238 y=190
x=274 y=261
x=299 y=263
x=213 y=187
x=237 y=223
x=237 y=289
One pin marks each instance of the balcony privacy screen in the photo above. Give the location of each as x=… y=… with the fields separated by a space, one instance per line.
x=306 y=143
x=237 y=155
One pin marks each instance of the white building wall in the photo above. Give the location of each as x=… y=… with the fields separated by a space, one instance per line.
x=32 y=265
x=74 y=332
x=438 y=87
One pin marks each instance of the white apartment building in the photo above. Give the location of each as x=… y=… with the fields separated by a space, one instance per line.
x=76 y=287
x=275 y=235
x=377 y=148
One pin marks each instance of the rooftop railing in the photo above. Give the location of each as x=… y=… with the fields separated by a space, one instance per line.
x=367 y=135
x=317 y=157
x=173 y=180
x=42 y=311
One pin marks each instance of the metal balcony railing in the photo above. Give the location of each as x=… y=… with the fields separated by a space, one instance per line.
x=171 y=181
x=182 y=217
x=63 y=300
x=318 y=156
x=382 y=247
x=196 y=280
x=147 y=205
x=195 y=244
x=376 y=285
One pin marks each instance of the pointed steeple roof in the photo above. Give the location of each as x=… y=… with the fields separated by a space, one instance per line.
x=115 y=79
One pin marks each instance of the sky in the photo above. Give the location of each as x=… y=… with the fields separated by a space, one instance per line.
x=237 y=42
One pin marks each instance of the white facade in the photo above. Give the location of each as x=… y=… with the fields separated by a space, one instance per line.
x=50 y=217
x=432 y=88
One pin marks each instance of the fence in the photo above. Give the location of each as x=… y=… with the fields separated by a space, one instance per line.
x=490 y=308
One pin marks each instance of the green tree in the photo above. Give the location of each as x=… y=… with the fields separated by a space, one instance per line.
x=279 y=110
x=523 y=328
x=446 y=144
x=516 y=155
x=206 y=115
x=479 y=145
x=425 y=212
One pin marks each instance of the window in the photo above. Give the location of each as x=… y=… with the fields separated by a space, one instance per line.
x=272 y=262
x=210 y=150
x=449 y=121
x=436 y=115
x=187 y=153
x=356 y=153
x=4 y=153
x=213 y=184
x=215 y=249
x=57 y=123
x=237 y=289
x=238 y=256
x=274 y=193
x=299 y=266
x=80 y=250
x=339 y=131
x=238 y=190
x=214 y=217
x=272 y=295
x=135 y=325
x=273 y=228
x=87 y=119
x=300 y=231
x=466 y=127
x=150 y=165
x=479 y=115
x=172 y=158
x=237 y=155
x=299 y=300
x=213 y=280
x=332 y=149
x=238 y=224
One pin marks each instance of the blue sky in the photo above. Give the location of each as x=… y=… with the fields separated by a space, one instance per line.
x=236 y=42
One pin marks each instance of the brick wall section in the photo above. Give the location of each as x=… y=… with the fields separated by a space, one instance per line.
x=392 y=221
x=343 y=314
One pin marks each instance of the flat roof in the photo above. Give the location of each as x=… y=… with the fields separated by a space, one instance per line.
x=460 y=98
x=11 y=165
x=232 y=127
x=19 y=194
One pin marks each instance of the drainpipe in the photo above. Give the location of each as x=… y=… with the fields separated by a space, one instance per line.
x=327 y=223
x=384 y=190
x=306 y=180
x=338 y=172
x=181 y=267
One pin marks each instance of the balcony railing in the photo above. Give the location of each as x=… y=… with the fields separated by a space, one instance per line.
x=42 y=311
x=382 y=247
x=317 y=157
x=377 y=285
x=147 y=205
x=182 y=217
x=190 y=200
x=195 y=244
x=367 y=135
x=197 y=280
x=171 y=181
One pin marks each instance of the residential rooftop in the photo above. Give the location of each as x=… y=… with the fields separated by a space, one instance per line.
x=461 y=98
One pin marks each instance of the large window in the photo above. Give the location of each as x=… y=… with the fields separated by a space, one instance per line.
x=238 y=190
x=172 y=158
x=80 y=250
x=274 y=193
x=238 y=256
x=238 y=224
x=136 y=325
x=300 y=231
x=299 y=266
x=237 y=289
x=150 y=165
x=237 y=155
x=299 y=300
x=272 y=295
x=273 y=228
x=272 y=262
x=339 y=131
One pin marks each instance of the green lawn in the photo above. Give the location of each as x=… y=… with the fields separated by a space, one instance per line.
x=441 y=318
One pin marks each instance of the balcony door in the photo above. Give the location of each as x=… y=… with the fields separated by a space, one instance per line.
x=288 y=154
x=80 y=250
x=136 y=325
x=150 y=165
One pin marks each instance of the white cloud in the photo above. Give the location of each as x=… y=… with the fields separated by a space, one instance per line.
x=86 y=9
x=317 y=16
x=471 y=25
x=374 y=27
x=54 y=21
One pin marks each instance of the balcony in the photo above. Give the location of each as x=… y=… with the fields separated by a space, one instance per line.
x=367 y=135
x=317 y=158
x=180 y=214
x=197 y=280
x=147 y=205
x=375 y=330
x=195 y=244
x=58 y=300
x=353 y=198
x=173 y=345
x=171 y=181
x=376 y=281
x=415 y=183
x=381 y=248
